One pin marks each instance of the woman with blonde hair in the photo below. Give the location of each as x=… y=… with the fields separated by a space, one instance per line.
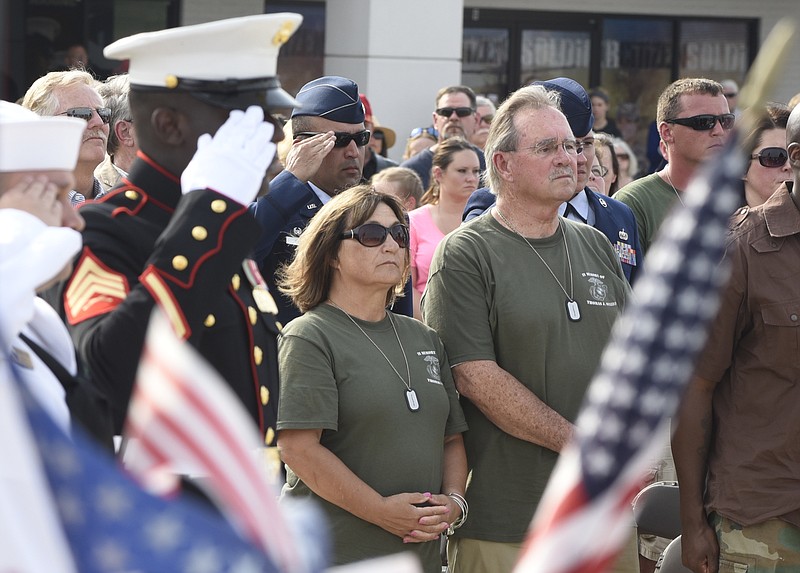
x=369 y=422
x=628 y=164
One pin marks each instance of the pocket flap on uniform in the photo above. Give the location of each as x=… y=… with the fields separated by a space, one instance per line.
x=781 y=314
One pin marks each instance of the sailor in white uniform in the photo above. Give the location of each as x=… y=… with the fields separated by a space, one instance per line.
x=39 y=237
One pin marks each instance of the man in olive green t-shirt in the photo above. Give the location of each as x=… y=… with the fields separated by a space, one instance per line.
x=689 y=136
x=524 y=302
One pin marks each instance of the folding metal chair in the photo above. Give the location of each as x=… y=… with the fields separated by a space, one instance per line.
x=656 y=510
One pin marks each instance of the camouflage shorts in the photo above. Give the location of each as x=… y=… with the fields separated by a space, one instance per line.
x=769 y=547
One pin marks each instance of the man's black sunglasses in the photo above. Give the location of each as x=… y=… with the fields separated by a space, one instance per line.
x=460 y=111
x=343 y=138
x=705 y=122
x=771 y=157
x=374 y=235
x=85 y=113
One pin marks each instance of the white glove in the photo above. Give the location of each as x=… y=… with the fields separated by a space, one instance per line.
x=234 y=161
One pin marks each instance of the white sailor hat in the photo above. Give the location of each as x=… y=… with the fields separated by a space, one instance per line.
x=31 y=142
x=223 y=62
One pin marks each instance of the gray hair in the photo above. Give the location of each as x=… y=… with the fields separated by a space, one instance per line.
x=503 y=134
x=485 y=102
x=114 y=92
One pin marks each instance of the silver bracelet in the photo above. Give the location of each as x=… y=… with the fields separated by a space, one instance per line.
x=464 y=506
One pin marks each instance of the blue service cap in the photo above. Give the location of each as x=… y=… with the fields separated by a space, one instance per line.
x=331 y=97
x=575 y=103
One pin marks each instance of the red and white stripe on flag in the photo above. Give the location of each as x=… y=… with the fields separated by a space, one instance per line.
x=571 y=533
x=184 y=419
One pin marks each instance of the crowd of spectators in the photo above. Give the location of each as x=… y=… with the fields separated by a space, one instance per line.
x=413 y=341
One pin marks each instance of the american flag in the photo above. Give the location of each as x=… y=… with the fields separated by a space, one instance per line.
x=101 y=521
x=584 y=517
x=183 y=418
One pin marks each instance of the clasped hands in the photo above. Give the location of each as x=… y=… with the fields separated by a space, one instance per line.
x=404 y=515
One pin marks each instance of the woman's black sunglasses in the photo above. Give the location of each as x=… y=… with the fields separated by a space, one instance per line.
x=771 y=157
x=343 y=138
x=85 y=113
x=374 y=235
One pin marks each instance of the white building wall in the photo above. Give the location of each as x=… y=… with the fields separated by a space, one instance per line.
x=398 y=59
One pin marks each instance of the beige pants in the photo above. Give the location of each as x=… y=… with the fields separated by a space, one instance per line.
x=476 y=556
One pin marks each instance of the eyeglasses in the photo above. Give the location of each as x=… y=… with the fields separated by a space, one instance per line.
x=343 y=138
x=417 y=131
x=460 y=111
x=771 y=157
x=374 y=235
x=487 y=119
x=550 y=147
x=705 y=122
x=85 y=113
x=599 y=170
x=378 y=135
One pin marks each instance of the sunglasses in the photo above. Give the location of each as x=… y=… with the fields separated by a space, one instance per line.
x=417 y=131
x=460 y=111
x=487 y=119
x=771 y=157
x=343 y=139
x=706 y=122
x=85 y=113
x=374 y=235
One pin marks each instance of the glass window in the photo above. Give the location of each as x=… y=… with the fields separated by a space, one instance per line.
x=546 y=54
x=636 y=66
x=485 y=61
x=714 y=49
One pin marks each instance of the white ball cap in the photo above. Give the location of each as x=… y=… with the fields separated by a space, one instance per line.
x=30 y=142
x=236 y=48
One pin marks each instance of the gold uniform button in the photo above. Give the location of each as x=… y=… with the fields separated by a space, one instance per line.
x=199 y=233
x=210 y=321
x=258 y=355
x=171 y=81
x=269 y=437
x=132 y=195
x=253 y=315
x=218 y=206
x=179 y=263
x=236 y=281
x=264 y=396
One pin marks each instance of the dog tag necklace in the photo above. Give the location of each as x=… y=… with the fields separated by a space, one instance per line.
x=573 y=310
x=411 y=396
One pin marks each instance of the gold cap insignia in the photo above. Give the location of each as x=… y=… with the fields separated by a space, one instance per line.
x=282 y=35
